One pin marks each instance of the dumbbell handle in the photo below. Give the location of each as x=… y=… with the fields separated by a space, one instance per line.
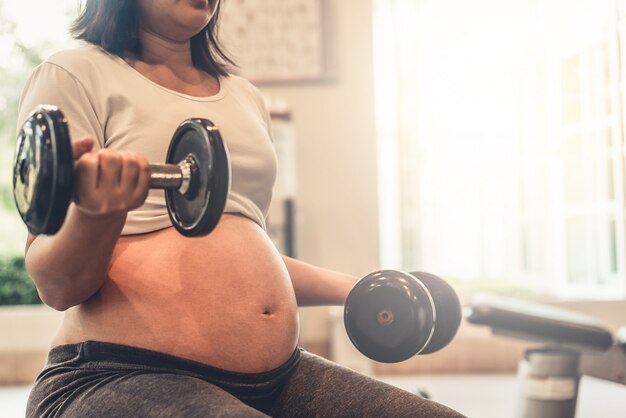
x=173 y=176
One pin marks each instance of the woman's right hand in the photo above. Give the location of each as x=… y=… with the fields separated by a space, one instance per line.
x=107 y=182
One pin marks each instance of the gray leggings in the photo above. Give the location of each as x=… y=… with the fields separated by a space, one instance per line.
x=96 y=379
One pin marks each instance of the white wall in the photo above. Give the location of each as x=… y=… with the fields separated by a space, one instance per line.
x=336 y=148
x=336 y=155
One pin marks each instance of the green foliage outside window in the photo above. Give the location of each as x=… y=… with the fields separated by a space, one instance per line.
x=16 y=288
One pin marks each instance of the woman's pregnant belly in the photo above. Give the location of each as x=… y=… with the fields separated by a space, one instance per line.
x=225 y=299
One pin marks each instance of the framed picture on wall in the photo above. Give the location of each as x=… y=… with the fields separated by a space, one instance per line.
x=277 y=41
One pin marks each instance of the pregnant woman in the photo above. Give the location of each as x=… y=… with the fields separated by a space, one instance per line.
x=157 y=324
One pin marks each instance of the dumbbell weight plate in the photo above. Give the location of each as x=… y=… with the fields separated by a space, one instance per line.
x=42 y=170
x=198 y=211
x=388 y=316
x=447 y=308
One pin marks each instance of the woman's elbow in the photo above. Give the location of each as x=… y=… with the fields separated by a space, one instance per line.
x=61 y=290
x=58 y=304
x=56 y=297
x=62 y=298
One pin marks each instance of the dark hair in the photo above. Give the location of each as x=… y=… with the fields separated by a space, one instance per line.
x=114 y=26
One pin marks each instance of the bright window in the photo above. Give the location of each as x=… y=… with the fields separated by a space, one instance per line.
x=501 y=141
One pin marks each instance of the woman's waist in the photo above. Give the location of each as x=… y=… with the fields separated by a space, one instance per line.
x=238 y=343
x=94 y=356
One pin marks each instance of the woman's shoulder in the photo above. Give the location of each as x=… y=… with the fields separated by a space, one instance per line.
x=244 y=86
x=81 y=59
x=240 y=82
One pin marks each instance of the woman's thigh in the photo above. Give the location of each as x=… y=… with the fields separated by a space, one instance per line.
x=320 y=388
x=151 y=395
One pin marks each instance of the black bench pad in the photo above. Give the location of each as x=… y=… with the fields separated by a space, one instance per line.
x=537 y=322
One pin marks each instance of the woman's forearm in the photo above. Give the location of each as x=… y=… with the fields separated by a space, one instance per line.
x=70 y=266
x=315 y=286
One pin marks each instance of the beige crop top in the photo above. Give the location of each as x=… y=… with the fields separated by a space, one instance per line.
x=103 y=97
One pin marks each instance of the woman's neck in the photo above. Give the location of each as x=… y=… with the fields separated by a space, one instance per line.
x=168 y=63
x=159 y=50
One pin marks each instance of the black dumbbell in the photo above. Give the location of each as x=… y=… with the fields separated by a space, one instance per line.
x=195 y=176
x=391 y=316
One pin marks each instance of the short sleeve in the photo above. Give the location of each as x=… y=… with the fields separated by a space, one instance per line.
x=53 y=85
x=267 y=118
x=265 y=112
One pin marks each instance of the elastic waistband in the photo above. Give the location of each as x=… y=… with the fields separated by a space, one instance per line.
x=103 y=354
